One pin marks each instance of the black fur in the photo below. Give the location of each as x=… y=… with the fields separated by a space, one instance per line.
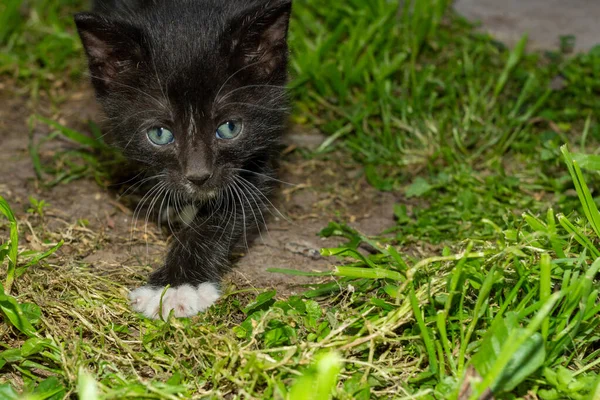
x=189 y=66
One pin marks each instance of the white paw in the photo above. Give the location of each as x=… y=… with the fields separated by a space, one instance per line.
x=185 y=300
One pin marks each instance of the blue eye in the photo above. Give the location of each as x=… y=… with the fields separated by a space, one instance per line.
x=160 y=136
x=229 y=129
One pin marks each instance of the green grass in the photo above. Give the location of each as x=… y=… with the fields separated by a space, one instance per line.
x=501 y=294
x=37 y=45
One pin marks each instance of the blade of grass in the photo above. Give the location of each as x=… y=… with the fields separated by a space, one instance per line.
x=73 y=135
x=585 y=197
x=545 y=282
x=516 y=55
x=368 y=273
x=13 y=247
x=429 y=345
x=579 y=236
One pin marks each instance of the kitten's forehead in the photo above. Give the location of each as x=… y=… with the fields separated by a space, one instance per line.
x=195 y=78
x=190 y=35
x=191 y=131
x=212 y=39
x=204 y=88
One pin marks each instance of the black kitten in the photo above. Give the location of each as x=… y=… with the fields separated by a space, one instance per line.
x=194 y=90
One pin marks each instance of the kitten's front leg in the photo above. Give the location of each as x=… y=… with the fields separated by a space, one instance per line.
x=196 y=262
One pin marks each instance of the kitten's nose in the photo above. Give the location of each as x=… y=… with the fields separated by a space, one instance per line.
x=199 y=178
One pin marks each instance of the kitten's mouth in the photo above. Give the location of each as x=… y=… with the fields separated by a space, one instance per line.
x=206 y=195
x=199 y=193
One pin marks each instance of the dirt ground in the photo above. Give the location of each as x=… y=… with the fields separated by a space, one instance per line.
x=322 y=190
x=543 y=20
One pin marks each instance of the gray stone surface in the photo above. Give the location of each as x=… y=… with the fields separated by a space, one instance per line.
x=543 y=20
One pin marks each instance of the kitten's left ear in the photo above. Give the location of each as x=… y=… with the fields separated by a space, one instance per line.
x=113 y=49
x=260 y=35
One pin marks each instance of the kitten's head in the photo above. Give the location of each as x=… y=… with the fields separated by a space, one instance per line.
x=192 y=89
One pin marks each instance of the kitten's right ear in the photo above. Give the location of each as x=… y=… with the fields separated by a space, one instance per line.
x=260 y=36
x=112 y=48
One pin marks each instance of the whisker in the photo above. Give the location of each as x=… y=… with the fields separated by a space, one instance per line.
x=138 y=90
x=170 y=226
x=253 y=190
x=258 y=208
x=136 y=133
x=138 y=184
x=152 y=192
x=249 y=87
x=281 y=109
x=264 y=176
x=231 y=77
x=127 y=181
x=235 y=190
x=153 y=203
x=145 y=198
x=258 y=191
x=232 y=214
x=129 y=117
x=160 y=209
x=243 y=193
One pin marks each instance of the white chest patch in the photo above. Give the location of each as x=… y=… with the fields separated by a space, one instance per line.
x=185 y=300
x=188 y=214
x=185 y=216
